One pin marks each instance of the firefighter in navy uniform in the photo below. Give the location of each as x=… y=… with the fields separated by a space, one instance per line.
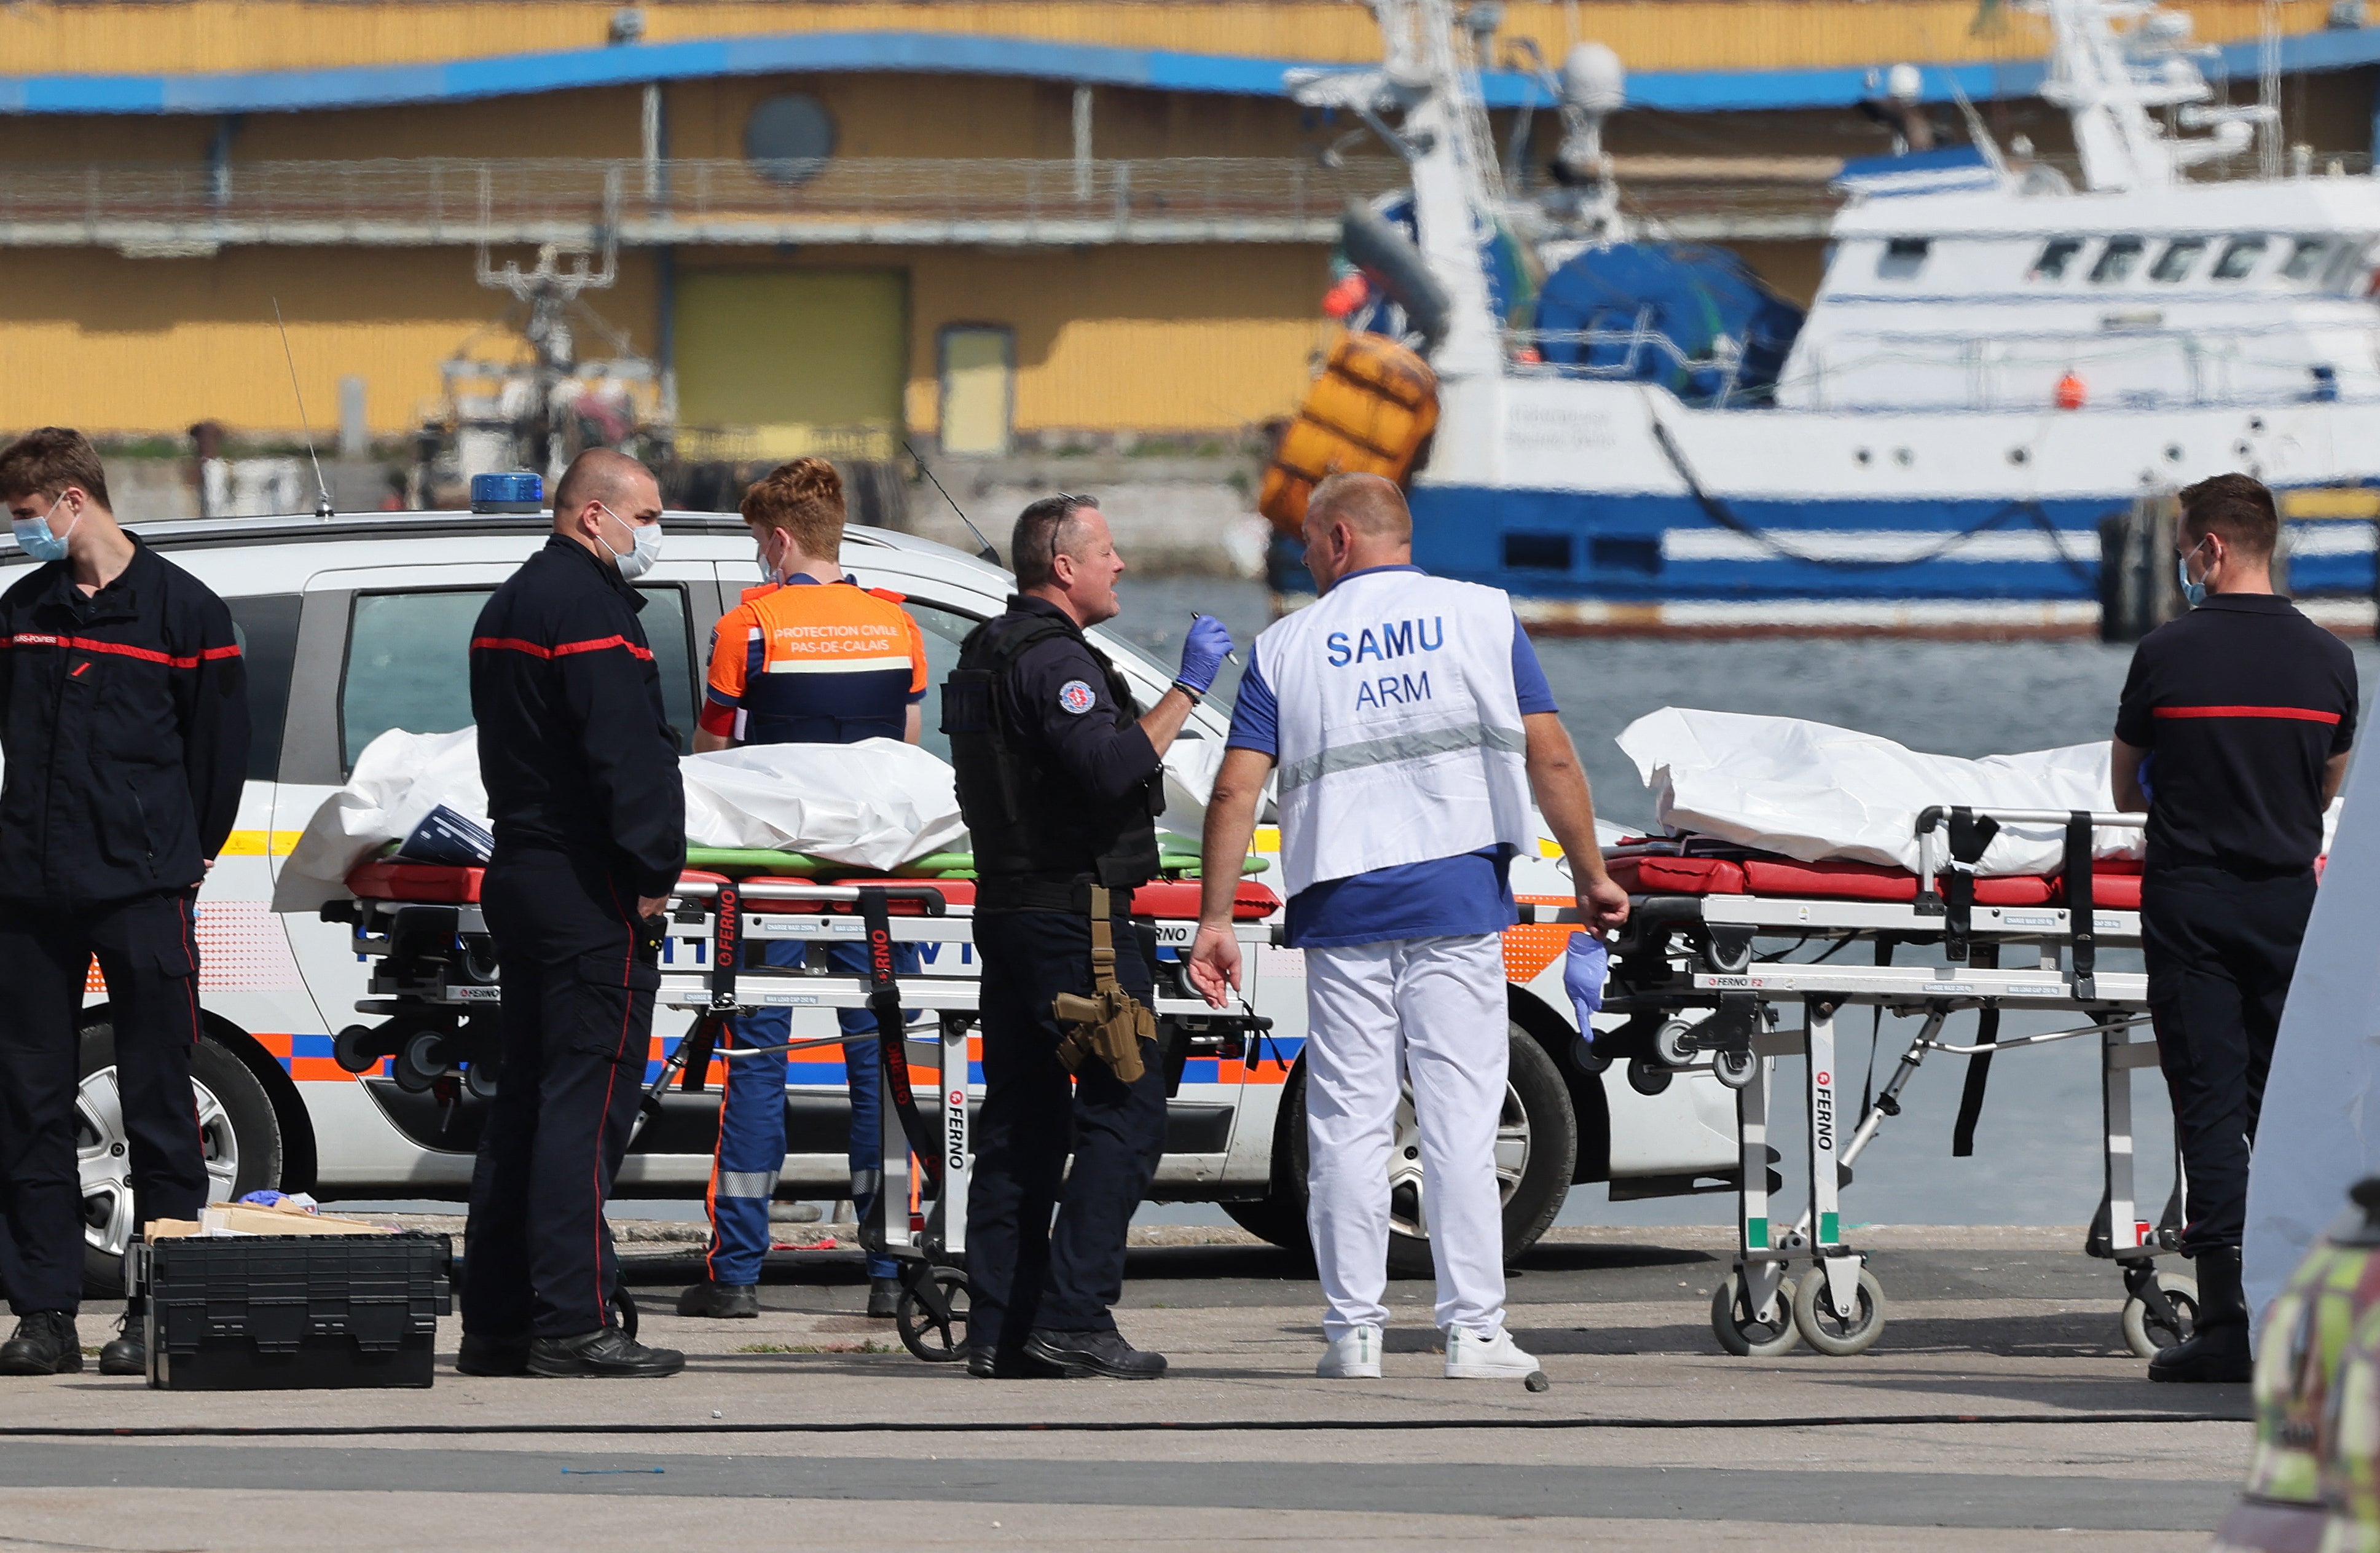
x=124 y=716
x=1060 y=777
x=2238 y=715
x=580 y=767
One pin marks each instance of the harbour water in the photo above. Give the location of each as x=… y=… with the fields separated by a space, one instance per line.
x=2036 y=1159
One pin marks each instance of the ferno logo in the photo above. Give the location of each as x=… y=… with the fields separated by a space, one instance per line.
x=1822 y=1110
x=955 y=1131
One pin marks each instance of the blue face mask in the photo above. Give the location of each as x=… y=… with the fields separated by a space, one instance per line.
x=2193 y=593
x=34 y=538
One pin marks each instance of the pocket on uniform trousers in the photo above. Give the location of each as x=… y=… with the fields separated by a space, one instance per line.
x=173 y=939
x=615 y=978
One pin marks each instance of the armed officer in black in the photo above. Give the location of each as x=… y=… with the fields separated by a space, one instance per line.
x=2232 y=736
x=124 y=718
x=580 y=766
x=1060 y=777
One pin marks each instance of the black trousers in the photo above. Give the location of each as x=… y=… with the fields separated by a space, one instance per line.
x=2220 y=951
x=1023 y=1271
x=577 y=980
x=150 y=960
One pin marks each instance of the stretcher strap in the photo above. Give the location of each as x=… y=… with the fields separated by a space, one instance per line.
x=698 y=1044
x=892 y=1035
x=1979 y=1073
x=2082 y=919
x=1969 y=837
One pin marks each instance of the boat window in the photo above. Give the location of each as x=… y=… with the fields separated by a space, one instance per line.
x=2345 y=265
x=2180 y=257
x=2116 y=261
x=1903 y=257
x=2056 y=255
x=2305 y=259
x=2239 y=256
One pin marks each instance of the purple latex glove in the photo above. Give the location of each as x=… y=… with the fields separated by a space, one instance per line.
x=1584 y=965
x=1203 y=651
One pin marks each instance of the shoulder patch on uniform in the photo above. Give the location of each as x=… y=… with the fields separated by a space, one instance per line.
x=1076 y=697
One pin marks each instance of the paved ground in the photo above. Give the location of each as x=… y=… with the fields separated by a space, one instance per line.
x=1999 y=1412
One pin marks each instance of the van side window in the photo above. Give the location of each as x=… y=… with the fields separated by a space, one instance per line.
x=2116 y=261
x=2056 y=255
x=408 y=662
x=267 y=626
x=2239 y=256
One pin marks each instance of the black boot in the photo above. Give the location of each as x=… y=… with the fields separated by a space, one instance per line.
x=607 y=1353
x=492 y=1356
x=1078 y=1354
x=45 y=1343
x=726 y=1302
x=2217 y=1349
x=128 y=1352
x=884 y=1298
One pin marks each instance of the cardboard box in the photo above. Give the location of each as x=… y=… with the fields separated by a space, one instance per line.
x=248 y=1218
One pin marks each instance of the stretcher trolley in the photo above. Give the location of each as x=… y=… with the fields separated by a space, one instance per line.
x=435 y=977
x=1723 y=941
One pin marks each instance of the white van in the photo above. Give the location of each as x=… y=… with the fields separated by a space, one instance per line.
x=353 y=625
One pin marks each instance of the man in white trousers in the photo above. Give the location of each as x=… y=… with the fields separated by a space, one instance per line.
x=1410 y=724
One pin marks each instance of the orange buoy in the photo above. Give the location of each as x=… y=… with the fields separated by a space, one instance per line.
x=2070 y=393
x=1345 y=295
x=1369 y=412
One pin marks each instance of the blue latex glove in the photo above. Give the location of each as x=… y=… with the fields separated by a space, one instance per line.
x=1585 y=966
x=2146 y=791
x=1203 y=651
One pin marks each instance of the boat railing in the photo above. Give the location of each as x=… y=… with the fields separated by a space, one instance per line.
x=457 y=200
x=1641 y=352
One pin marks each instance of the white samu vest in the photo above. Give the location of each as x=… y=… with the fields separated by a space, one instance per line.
x=1400 y=732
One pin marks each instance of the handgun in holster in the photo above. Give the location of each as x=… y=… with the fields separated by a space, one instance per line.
x=1109 y=1023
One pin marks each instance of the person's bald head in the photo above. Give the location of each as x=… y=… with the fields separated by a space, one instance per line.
x=603 y=498
x=1354 y=522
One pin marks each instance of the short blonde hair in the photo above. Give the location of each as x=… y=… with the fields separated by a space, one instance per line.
x=804 y=499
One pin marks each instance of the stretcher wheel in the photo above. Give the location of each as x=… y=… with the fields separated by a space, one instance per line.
x=2145 y=1333
x=930 y=1337
x=1830 y=1332
x=1648 y=1078
x=1674 y=1043
x=1585 y=1057
x=481 y=1078
x=352 y=1049
x=624 y=1312
x=417 y=1064
x=1727 y=959
x=1735 y=1069
x=1741 y=1333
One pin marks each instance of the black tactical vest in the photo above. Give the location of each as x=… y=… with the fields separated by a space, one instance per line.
x=1025 y=815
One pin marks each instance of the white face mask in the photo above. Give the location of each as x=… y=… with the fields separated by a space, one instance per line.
x=37 y=540
x=769 y=571
x=645 y=546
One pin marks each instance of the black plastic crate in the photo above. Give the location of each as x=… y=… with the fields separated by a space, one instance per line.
x=290 y=1312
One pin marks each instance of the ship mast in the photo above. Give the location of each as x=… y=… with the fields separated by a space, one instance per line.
x=2108 y=82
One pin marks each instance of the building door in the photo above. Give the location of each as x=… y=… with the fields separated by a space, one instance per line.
x=979 y=388
x=773 y=364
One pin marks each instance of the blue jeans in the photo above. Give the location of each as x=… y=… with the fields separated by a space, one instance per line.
x=752 y=1118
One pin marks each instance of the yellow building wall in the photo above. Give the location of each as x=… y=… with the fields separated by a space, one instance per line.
x=146 y=345
x=211 y=35
x=1167 y=339
x=1153 y=339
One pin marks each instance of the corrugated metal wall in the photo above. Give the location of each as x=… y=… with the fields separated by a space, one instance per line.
x=1649 y=34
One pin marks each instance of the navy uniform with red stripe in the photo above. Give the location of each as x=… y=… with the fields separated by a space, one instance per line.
x=580 y=766
x=2242 y=704
x=124 y=722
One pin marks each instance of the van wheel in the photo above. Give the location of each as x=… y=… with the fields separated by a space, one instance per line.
x=1537 y=1149
x=235 y=1119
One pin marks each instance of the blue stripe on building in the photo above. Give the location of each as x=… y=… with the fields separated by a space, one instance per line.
x=963 y=54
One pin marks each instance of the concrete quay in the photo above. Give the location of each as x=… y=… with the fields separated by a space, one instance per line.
x=1999 y=1410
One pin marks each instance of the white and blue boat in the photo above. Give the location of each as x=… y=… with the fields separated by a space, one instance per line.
x=1999 y=357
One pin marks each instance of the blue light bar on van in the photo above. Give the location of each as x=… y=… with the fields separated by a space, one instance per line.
x=520 y=493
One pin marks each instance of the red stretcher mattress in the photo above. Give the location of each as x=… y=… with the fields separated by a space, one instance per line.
x=2115 y=886
x=431 y=884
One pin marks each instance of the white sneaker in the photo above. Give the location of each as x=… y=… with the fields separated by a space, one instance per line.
x=1470 y=1356
x=1354 y=1354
